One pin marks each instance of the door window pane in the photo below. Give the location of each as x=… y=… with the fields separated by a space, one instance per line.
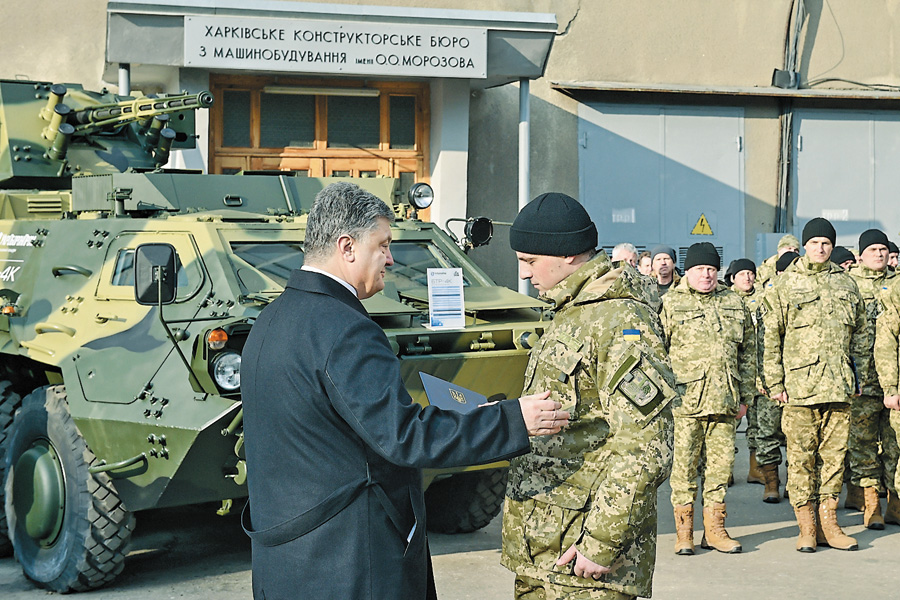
x=236 y=119
x=403 y=122
x=353 y=122
x=287 y=120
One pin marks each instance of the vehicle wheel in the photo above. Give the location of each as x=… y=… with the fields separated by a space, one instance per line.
x=69 y=530
x=465 y=502
x=9 y=402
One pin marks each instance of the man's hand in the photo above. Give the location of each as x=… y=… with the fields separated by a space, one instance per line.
x=892 y=402
x=741 y=412
x=781 y=398
x=542 y=416
x=584 y=567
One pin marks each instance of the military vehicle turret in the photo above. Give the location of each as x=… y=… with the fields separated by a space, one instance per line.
x=111 y=404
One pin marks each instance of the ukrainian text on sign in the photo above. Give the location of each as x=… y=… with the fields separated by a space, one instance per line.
x=353 y=48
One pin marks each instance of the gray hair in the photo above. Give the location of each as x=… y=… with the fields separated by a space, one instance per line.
x=341 y=208
x=622 y=248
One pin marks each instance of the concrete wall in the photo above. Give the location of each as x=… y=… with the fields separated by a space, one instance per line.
x=692 y=42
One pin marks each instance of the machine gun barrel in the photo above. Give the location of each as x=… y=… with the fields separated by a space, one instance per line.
x=140 y=109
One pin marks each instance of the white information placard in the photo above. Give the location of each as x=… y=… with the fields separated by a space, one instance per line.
x=446 y=307
x=344 y=47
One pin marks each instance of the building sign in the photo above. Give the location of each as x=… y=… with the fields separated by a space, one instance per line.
x=334 y=47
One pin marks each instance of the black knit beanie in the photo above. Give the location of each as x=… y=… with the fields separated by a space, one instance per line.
x=553 y=224
x=870 y=237
x=738 y=265
x=785 y=260
x=702 y=253
x=819 y=227
x=841 y=254
x=892 y=247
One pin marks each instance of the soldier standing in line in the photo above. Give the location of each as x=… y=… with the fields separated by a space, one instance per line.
x=766 y=270
x=815 y=323
x=893 y=253
x=887 y=351
x=579 y=519
x=712 y=346
x=768 y=419
x=662 y=260
x=741 y=276
x=843 y=258
x=868 y=416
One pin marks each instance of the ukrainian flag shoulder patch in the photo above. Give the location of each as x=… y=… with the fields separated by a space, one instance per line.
x=632 y=335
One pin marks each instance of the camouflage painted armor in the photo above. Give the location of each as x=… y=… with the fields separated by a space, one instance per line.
x=814 y=323
x=594 y=484
x=712 y=345
x=868 y=416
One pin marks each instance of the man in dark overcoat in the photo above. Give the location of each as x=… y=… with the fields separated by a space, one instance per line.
x=334 y=443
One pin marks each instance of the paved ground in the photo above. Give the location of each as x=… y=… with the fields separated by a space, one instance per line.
x=191 y=553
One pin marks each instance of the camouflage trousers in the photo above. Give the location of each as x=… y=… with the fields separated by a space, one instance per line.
x=528 y=588
x=871 y=447
x=752 y=424
x=768 y=431
x=816 y=447
x=890 y=444
x=694 y=436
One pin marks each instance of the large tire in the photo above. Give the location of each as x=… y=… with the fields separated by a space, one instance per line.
x=69 y=530
x=9 y=402
x=466 y=501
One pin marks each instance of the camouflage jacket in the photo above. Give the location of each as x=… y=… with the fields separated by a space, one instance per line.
x=594 y=484
x=753 y=300
x=712 y=346
x=766 y=271
x=871 y=283
x=887 y=329
x=814 y=324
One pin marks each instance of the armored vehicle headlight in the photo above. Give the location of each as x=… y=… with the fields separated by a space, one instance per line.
x=227 y=371
x=421 y=195
x=216 y=339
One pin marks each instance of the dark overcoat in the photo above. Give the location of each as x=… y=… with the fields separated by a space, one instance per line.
x=329 y=427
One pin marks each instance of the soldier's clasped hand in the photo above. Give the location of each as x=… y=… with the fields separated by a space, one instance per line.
x=542 y=415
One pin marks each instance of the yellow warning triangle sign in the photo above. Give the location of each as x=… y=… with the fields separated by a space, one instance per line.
x=702 y=227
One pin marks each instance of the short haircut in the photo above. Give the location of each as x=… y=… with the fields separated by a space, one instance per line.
x=623 y=247
x=341 y=208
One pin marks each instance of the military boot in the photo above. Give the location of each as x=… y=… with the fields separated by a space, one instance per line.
x=684 y=529
x=755 y=475
x=770 y=474
x=892 y=513
x=872 y=514
x=714 y=534
x=806 y=520
x=834 y=536
x=854 y=499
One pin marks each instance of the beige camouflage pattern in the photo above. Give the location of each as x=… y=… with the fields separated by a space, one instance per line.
x=814 y=324
x=752 y=300
x=712 y=345
x=868 y=416
x=766 y=271
x=594 y=484
x=887 y=362
x=816 y=447
x=529 y=588
x=713 y=438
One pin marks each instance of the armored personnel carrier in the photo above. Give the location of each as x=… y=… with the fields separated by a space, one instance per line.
x=112 y=401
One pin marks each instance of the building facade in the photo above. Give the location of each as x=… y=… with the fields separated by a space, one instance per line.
x=672 y=122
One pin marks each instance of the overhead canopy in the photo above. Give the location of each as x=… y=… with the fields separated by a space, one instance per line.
x=488 y=48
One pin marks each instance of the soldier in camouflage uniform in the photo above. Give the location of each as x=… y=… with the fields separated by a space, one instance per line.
x=887 y=363
x=815 y=322
x=741 y=277
x=712 y=345
x=579 y=519
x=868 y=416
x=766 y=270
